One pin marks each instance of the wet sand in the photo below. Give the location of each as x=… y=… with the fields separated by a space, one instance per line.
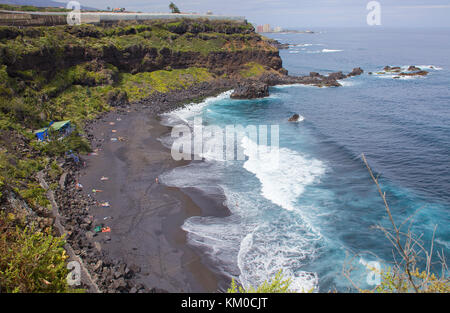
x=145 y=217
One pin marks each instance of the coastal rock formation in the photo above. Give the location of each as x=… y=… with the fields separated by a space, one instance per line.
x=336 y=76
x=411 y=71
x=355 y=72
x=278 y=44
x=419 y=73
x=413 y=68
x=395 y=69
x=84 y=71
x=141 y=48
x=250 y=90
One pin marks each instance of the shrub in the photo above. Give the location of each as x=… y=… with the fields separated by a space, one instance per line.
x=72 y=142
x=277 y=285
x=31 y=261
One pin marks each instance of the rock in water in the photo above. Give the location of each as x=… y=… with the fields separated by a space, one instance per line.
x=419 y=73
x=336 y=76
x=356 y=71
x=413 y=68
x=294 y=118
x=250 y=90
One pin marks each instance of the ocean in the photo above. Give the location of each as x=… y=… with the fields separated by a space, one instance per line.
x=315 y=212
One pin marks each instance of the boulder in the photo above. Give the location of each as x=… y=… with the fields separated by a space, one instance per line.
x=355 y=72
x=294 y=118
x=314 y=74
x=250 y=90
x=328 y=82
x=419 y=73
x=337 y=75
x=117 y=98
x=413 y=68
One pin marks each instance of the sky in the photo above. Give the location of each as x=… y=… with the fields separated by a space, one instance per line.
x=303 y=13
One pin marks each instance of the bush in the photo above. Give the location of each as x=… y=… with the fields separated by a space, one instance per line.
x=278 y=285
x=72 y=142
x=31 y=261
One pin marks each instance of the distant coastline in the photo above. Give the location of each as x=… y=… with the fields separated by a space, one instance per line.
x=290 y=32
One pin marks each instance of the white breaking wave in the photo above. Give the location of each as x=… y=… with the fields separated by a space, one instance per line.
x=246 y=245
x=324 y=51
x=212 y=145
x=293 y=85
x=429 y=67
x=331 y=50
x=284 y=175
x=347 y=83
x=187 y=113
x=307 y=45
x=275 y=246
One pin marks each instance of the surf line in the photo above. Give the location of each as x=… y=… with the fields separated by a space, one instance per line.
x=224 y=143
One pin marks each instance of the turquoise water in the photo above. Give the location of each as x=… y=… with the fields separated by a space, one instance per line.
x=318 y=208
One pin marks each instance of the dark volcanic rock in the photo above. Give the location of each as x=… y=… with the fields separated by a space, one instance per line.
x=278 y=44
x=117 y=98
x=314 y=74
x=328 y=82
x=355 y=72
x=394 y=69
x=419 y=73
x=250 y=90
x=337 y=75
x=294 y=118
x=413 y=68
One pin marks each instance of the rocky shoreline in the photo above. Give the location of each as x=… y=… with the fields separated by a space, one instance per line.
x=114 y=275
x=111 y=275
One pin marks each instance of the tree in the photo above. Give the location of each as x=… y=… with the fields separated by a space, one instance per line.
x=174 y=8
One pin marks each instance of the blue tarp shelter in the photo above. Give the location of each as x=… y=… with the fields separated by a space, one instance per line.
x=63 y=127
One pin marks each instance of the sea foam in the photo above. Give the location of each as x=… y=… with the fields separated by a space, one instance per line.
x=283 y=176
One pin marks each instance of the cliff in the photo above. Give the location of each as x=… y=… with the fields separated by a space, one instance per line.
x=76 y=73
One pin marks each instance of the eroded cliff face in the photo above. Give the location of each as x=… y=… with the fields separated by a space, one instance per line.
x=77 y=72
x=221 y=47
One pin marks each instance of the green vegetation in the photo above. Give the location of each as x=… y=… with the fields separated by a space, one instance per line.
x=30 y=8
x=252 y=69
x=141 y=85
x=277 y=285
x=181 y=35
x=30 y=260
x=75 y=73
x=173 y=8
x=429 y=283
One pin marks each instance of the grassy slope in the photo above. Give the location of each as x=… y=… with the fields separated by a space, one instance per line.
x=32 y=96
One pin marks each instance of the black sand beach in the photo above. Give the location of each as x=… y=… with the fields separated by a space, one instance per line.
x=144 y=216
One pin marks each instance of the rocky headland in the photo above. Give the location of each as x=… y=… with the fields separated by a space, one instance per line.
x=97 y=74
